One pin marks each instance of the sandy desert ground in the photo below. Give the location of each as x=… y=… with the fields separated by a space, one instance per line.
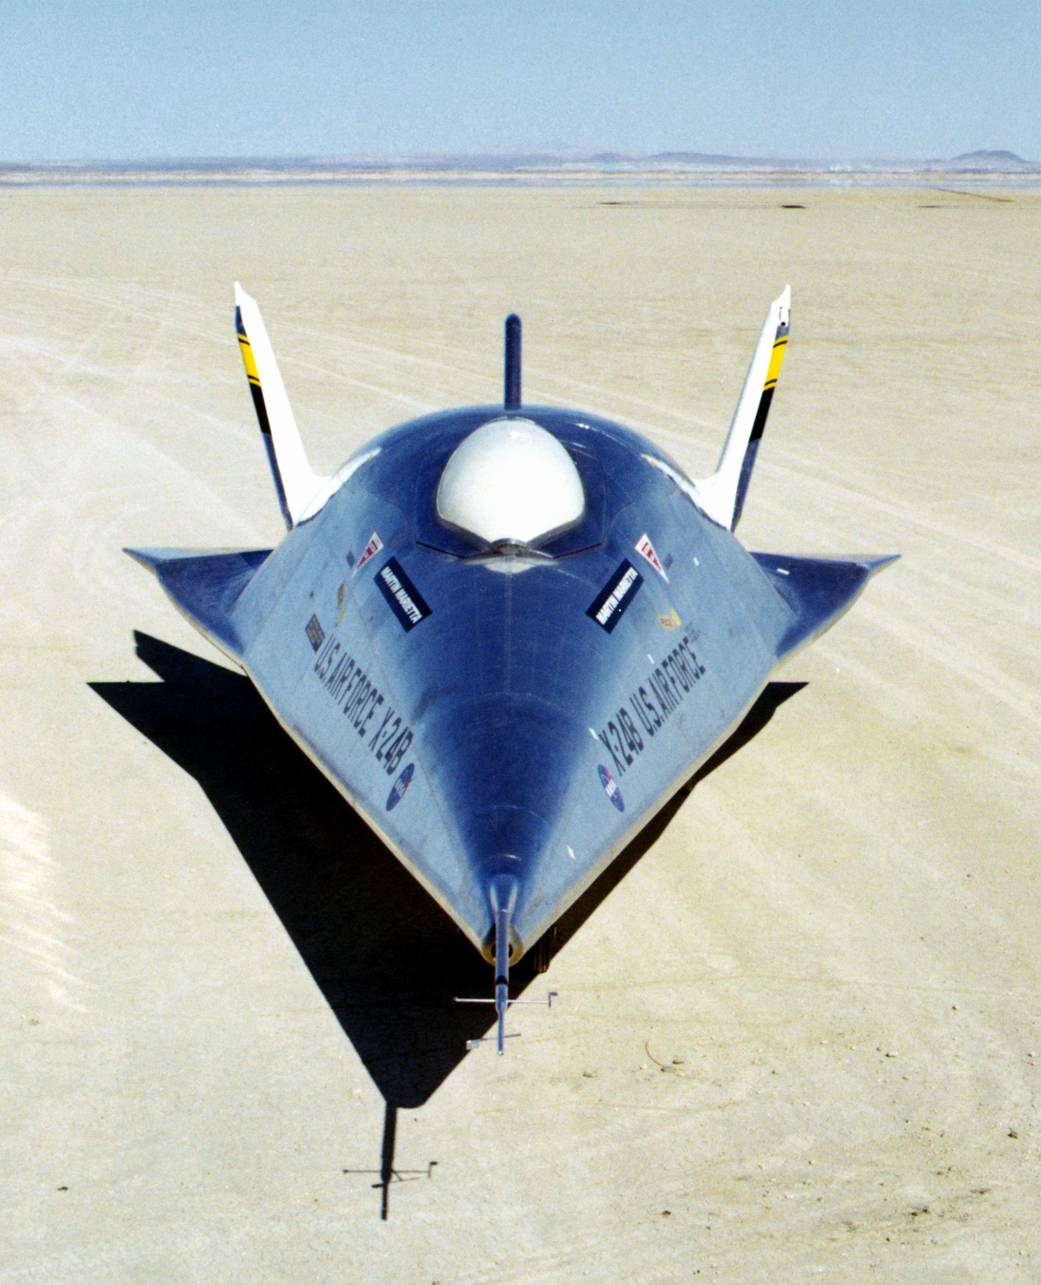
x=798 y=1032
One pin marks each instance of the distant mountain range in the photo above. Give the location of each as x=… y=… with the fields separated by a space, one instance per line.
x=991 y=162
x=994 y=160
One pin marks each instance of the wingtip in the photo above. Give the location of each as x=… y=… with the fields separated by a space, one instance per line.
x=146 y=558
x=875 y=565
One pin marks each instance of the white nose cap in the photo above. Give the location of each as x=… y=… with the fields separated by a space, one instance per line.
x=510 y=480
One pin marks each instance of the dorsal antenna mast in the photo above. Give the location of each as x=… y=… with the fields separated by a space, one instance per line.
x=511 y=395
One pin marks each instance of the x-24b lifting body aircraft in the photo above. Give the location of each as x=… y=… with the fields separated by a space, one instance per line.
x=507 y=634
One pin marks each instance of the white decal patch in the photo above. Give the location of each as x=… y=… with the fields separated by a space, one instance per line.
x=370 y=550
x=645 y=549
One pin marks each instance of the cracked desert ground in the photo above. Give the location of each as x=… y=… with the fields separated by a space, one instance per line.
x=797 y=1034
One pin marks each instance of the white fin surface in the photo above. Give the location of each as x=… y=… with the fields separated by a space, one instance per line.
x=722 y=494
x=293 y=475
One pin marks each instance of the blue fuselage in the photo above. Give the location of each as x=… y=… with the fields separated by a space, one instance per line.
x=509 y=718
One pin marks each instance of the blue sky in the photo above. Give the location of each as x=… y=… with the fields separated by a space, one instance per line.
x=119 y=80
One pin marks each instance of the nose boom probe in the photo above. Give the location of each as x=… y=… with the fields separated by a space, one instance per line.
x=503 y=896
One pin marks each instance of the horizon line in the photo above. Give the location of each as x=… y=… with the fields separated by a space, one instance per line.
x=993 y=158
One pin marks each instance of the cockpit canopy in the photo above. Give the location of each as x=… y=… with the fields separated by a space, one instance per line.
x=510 y=481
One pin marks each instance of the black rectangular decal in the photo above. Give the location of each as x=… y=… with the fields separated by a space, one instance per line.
x=612 y=602
x=404 y=598
x=315 y=633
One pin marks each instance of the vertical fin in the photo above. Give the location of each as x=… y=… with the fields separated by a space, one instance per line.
x=723 y=494
x=511 y=396
x=295 y=483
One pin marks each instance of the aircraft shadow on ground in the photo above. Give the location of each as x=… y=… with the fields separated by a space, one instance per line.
x=387 y=959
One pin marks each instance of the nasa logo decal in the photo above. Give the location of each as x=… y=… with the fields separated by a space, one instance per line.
x=610 y=787
x=397 y=790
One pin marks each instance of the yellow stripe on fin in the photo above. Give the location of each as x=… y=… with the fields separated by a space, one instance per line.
x=246 y=349
x=776 y=357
